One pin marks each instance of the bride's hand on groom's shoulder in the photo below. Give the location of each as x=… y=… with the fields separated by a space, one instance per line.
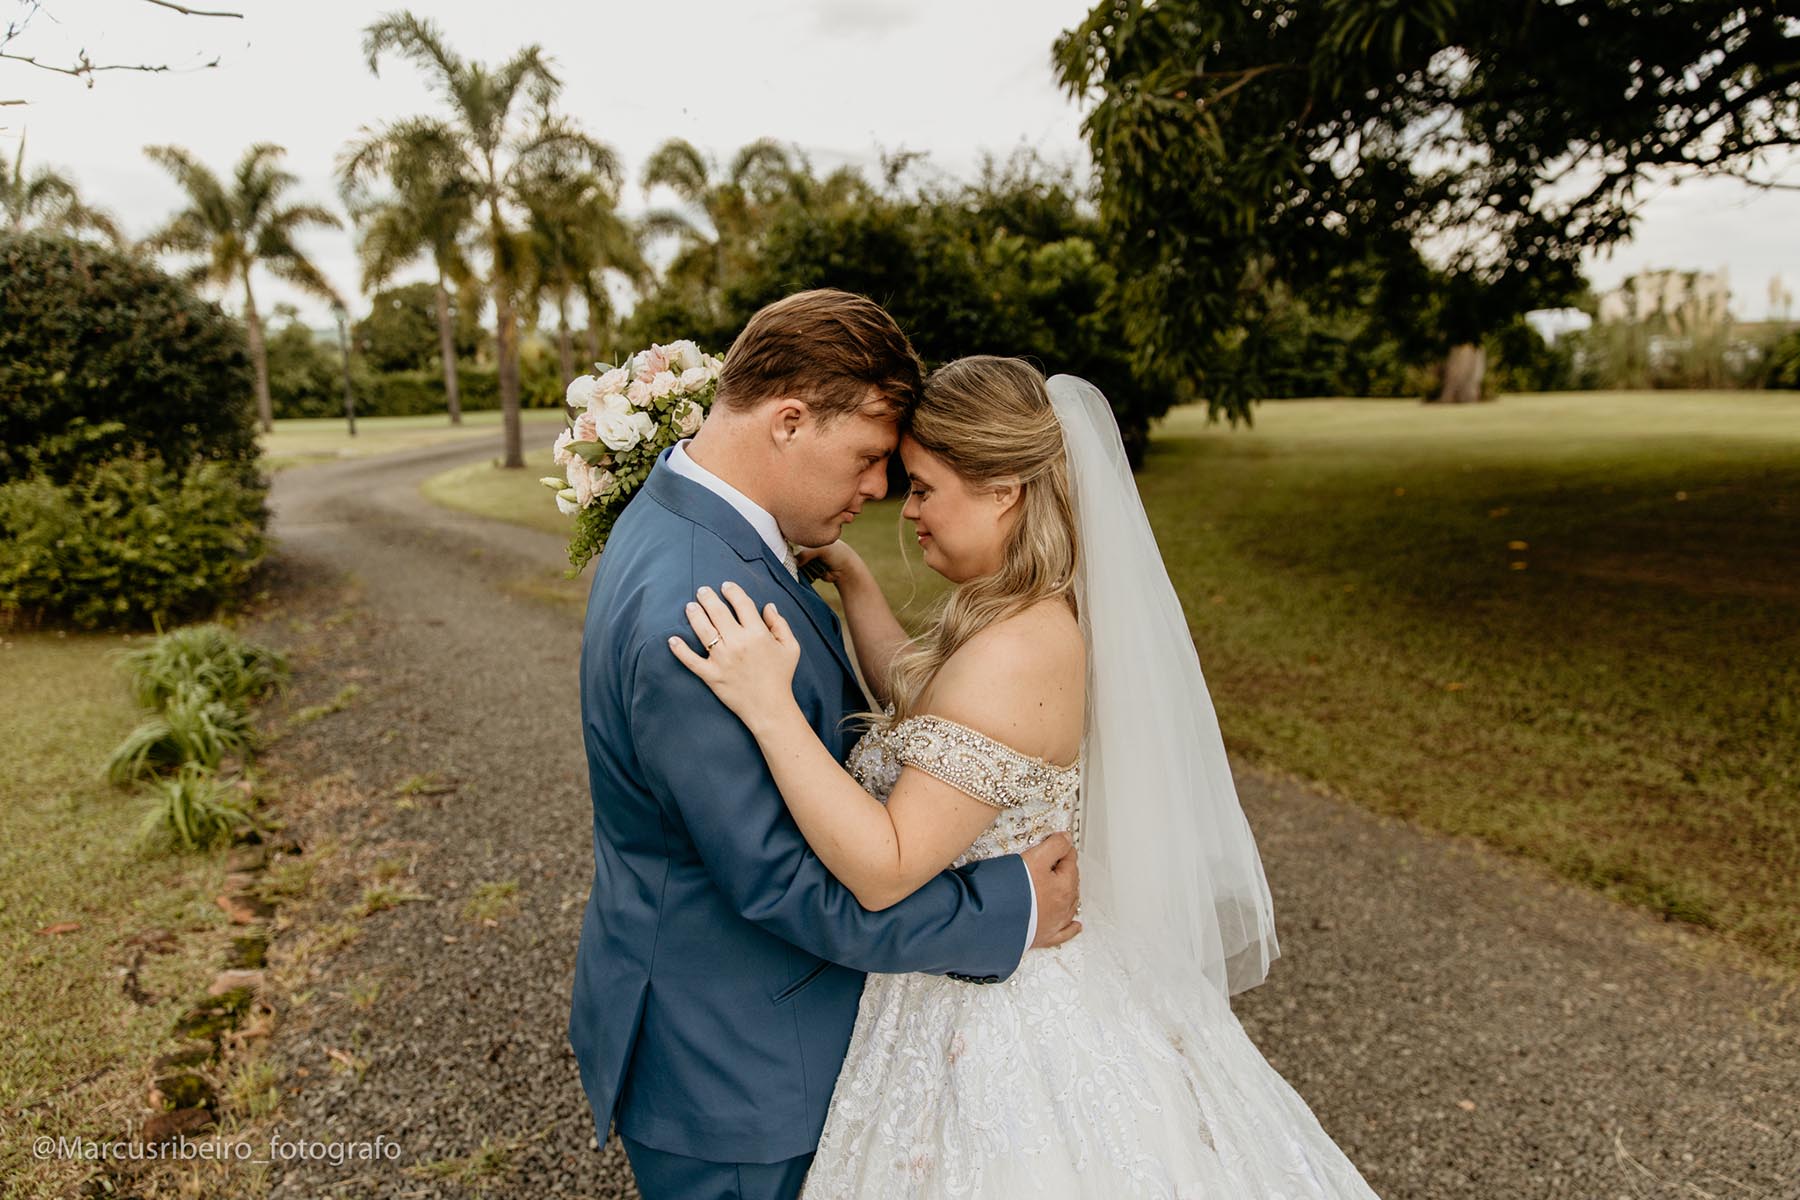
x=747 y=657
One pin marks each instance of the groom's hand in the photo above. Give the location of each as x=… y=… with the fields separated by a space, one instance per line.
x=1056 y=877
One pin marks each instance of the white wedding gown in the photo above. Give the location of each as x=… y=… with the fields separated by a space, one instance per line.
x=1080 y=1075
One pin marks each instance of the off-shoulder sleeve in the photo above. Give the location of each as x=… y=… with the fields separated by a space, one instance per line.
x=974 y=763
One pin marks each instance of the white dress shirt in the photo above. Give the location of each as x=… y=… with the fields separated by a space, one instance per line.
x=770 y=531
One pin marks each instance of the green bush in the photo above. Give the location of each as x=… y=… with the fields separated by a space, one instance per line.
x=192 y=810
x=88 y=334
x=207 y=656
x=1781 y=369
x=194 y=726
x=128 y=541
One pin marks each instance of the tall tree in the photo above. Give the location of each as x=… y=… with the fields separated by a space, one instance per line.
x=576 y=238
x=48 y=200
x=235 y=229
x=1242 y=143
x=430 y=210
x=729 y=210
x=494 y=149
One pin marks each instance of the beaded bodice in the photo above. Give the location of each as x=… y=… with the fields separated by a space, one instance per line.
x=1035 y=798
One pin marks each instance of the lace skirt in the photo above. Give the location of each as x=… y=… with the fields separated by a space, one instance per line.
x=1078 y=1076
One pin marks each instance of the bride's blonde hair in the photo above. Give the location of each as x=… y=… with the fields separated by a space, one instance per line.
x=988 y=418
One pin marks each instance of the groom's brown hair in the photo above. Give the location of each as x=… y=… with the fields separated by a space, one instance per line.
x=829 y=348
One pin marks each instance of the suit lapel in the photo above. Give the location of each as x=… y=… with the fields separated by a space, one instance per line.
x=709 y=510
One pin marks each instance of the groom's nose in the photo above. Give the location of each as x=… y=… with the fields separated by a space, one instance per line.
x=874 y=481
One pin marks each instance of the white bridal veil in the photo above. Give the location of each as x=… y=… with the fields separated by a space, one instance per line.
x=1165 y=849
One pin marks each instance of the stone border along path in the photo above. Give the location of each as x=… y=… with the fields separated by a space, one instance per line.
x=1464 y=1025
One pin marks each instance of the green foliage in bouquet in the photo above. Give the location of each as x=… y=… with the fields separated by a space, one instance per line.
x=620 y=421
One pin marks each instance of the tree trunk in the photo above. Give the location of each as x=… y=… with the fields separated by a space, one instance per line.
x=507 y=344
x=565 y=343
x=447 y=349
x=593 y=339
x=259 y=358
x=1464 y=370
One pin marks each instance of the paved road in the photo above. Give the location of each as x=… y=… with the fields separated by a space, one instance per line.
x=1464 y=1026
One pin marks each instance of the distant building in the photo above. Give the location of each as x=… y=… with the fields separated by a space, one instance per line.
x=1677 y=302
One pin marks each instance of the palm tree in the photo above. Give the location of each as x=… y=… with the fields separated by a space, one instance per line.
x=736 y=207
x=49 y=200
x=237 y=229
x=576 y=238
x=431 y=211
x=494 y=154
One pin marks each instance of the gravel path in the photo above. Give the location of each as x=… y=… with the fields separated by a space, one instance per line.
x=1464 y=1026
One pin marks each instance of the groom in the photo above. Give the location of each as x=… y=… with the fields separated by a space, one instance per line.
x=720 y=963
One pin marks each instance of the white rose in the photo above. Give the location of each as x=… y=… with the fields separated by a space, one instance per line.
x=638 y=393
x=612 y=402
x=614 y=380
x=560 y=453
x=620 y=431
x=687 y=418
x=693 y=378
x=582 y=390
x=644 y=423
x=565 y=502
x=713 y=365
x=662 y=384
x=684 y=355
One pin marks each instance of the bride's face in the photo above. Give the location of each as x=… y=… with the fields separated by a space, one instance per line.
x=961 y=528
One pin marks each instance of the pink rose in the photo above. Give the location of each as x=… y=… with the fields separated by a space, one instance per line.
x=586 y=429
x=687 y=419
x=639 y=393
x=663 y=384
x=613 y=381
x=652 y=361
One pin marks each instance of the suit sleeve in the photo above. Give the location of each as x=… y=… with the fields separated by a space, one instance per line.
x=702 y=762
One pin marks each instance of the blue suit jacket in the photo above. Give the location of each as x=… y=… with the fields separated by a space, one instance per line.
x=721 y=964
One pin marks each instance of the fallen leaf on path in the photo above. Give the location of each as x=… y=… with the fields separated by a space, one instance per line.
x=60 y=927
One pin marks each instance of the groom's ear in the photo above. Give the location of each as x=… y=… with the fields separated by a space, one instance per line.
x=786 y=416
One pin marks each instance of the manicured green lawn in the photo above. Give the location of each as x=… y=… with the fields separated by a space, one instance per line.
x=1568 y=625
x=78 y=1048
x=322 y=439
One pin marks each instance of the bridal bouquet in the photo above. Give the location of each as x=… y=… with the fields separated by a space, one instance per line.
x=620 y=420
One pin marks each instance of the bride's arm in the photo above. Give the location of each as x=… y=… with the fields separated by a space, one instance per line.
x=875 y=631
x=882 y=853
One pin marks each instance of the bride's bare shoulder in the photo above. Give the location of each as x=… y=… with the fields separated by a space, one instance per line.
x=1021 y=681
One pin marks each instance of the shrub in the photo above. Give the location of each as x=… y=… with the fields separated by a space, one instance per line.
x=88 y=334
x=194 y=728
x=128 y=541
x=1781 y=369
x=192 y=810
x=207 y=656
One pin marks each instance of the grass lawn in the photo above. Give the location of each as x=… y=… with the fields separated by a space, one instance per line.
x=1568 y=625
x=322 y=439
x=79 y=1048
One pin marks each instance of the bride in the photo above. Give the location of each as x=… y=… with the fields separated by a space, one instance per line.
x=1059 y=689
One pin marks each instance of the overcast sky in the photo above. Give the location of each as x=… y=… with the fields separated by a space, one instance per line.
x=843 y=79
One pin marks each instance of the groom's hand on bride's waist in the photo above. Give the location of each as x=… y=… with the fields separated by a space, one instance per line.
x=1056 y=877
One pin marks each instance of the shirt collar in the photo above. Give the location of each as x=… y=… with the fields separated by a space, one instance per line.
x=760 y=519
